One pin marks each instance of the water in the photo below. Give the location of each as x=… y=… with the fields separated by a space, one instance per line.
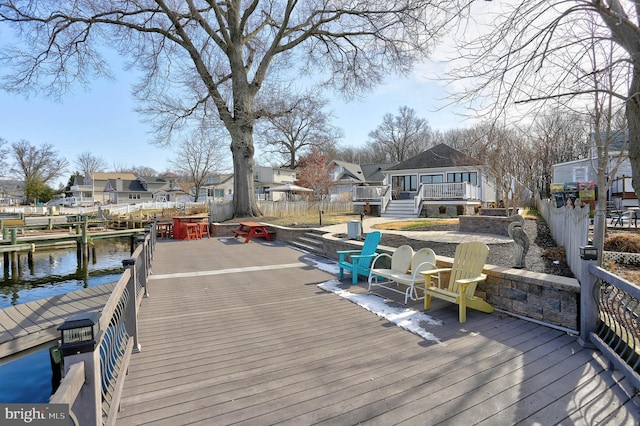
x=28 y=379
x=57 y=272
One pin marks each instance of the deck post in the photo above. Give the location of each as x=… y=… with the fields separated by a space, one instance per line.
x=131 y=315
x=79 y=344
x=588 y=303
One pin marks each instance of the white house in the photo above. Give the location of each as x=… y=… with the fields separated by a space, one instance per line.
x=439 y=178
x=265 y=178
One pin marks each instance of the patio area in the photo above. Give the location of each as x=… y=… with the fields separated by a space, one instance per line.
x=241 y=333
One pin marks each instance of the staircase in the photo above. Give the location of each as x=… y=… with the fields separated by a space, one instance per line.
x=399 y=208
x=311 y=241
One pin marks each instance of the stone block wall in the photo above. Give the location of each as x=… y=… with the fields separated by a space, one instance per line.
x=485 y=224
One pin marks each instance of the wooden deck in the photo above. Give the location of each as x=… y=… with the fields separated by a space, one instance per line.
x=225 y=341
x=30 y=324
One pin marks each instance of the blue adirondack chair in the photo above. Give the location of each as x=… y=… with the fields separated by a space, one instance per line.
x=358 y=262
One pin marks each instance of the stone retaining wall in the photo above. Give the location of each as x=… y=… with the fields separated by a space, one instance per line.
x=485 y=224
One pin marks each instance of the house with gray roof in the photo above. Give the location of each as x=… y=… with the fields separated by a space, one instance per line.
x=347 y=176
x=142 y=189
x=436 y=180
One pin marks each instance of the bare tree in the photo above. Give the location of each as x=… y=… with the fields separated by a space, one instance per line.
x=558 y=135
x=135 y=170
x=203 y=58
x=89 y=163
x=532 y=53
x=401 y=136
x=36 y=166
x=4 y=155
x=197 y=158
x=299 y=124
x=360 y=155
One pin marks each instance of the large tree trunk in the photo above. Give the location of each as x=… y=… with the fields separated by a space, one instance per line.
x=633 y=121
x=244 y=200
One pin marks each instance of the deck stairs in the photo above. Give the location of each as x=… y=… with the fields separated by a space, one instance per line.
x=311 y=241
x=399 y=208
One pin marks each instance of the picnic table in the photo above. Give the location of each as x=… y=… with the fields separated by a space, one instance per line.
x=249 y=230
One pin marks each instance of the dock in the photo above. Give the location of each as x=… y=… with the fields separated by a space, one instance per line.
x=236 y=333
x=30 y=324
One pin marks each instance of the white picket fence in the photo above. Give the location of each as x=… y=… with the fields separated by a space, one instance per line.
x=569 y=227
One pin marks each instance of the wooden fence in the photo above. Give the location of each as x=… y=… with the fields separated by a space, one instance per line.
x=224 y=211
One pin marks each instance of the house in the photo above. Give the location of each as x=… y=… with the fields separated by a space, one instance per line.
x=439 y=180
x=144 y=189
x=265 y=178
x=570 y=176
x=218 y=187
x=11 y=192
x=89 y=189
x=346 y=176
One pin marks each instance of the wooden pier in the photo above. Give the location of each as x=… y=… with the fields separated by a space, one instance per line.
x=30 y=324
x=11 y=248
x=238 y=333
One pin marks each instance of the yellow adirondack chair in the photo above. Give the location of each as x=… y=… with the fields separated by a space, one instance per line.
x=466 y=273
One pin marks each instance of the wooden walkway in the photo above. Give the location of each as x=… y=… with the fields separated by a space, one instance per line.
x=31 y=324
x=227 y=341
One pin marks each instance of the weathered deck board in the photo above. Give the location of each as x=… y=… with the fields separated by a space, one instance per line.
x=30 y=324
x=270 y=347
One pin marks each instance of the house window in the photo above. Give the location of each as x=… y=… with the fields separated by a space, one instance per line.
x=406 y=183
x=580 y=174
x=431 y=179
x=471 y=177
x=134 y=196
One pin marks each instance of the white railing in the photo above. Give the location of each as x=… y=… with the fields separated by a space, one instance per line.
x=369 y=193
x=449 y=191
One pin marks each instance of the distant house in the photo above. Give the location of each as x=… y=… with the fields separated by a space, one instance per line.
x=89 y=190
x=573 y=174
x=265 y=178
x=144 y=189
x=11 y=192
x=439 y=178
x=217 y=187
x=346 y=176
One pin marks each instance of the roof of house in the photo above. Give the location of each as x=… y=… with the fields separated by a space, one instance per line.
x=362 y=173
x=110 y=175
x=350 y=171
x=440 y=156
x=373 y=172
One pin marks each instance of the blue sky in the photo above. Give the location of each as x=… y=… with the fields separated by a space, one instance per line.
x=103 y=121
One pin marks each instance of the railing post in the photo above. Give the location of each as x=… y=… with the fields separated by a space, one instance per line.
x=80 y=334
x=588 y=303
x=146 y=265
x=131 y=315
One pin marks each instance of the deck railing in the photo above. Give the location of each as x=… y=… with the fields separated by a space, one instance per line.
x=93 y=379
x=450 y=191
x=609 y=308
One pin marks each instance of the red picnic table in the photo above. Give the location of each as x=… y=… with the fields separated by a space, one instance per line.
x=249 y=230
